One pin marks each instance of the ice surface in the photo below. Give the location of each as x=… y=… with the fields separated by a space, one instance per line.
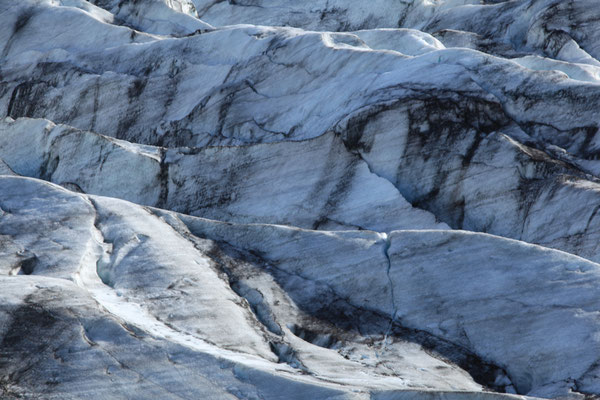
x=274 y=199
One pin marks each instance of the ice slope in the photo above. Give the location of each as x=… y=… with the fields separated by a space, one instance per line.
x=247 y=293
x=129 y=264
x=255 y=183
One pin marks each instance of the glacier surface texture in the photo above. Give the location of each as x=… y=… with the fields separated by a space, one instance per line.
x=283 y=199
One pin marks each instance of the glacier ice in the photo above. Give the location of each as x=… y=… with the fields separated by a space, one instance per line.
x=268 y=199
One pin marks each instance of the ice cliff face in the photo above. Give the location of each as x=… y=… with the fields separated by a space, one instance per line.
x=273 y=199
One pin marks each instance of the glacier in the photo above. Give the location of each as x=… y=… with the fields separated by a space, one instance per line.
x=270 y=199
